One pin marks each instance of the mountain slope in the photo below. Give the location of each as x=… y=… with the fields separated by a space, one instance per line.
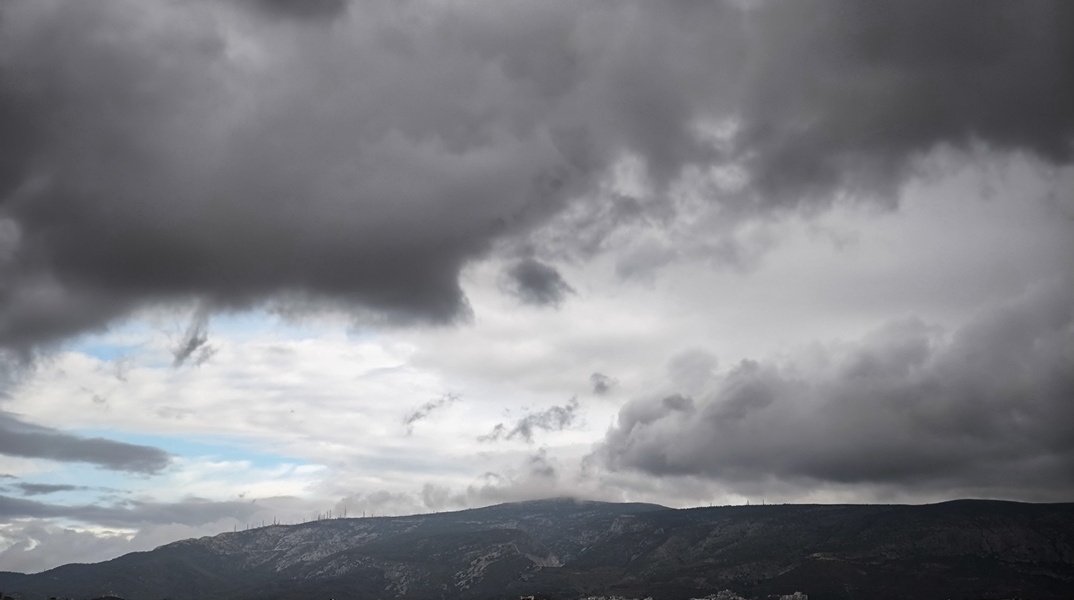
x=564 y=548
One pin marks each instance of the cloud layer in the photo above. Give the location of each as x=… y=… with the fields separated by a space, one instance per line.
x=366 y=153
x=983 y=411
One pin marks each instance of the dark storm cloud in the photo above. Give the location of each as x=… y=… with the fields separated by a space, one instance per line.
x=985 y=410
x=188 y=512
x=554 y=418
x=847 y=95
x=318 y=9
x=362 y=167
x=18 y=438
x=41 y=489
x=176 y=150
x=423 y=411
x=536 y=283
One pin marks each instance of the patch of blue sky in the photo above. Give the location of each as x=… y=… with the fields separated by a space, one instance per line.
x=248 y=324
x=202 y=448
x=106 y=352
x=119 y=341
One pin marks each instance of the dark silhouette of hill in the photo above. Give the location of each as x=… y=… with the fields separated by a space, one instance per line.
x=565 y=549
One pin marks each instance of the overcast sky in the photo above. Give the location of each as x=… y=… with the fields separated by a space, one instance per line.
x=266 y=259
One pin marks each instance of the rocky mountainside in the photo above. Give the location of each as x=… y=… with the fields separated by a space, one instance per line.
x=567 y=549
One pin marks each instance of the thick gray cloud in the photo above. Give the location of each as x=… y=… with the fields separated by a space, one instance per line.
x=847 y=96
x=318 y=9
x=984 y=410
x=553 y=418
x=536 y=283
x=18 y=438
x=177 y=150
x=180 y=169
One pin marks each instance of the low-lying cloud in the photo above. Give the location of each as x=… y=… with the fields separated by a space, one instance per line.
x=984 y=410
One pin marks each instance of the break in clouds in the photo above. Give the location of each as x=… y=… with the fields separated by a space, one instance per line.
x=363 y=153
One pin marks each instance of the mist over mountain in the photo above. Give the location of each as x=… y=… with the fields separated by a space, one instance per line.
x=565 y=548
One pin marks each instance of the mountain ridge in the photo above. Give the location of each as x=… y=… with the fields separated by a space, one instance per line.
x=566 y=548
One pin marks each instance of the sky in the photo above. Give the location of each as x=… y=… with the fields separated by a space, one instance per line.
x=273 y=260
